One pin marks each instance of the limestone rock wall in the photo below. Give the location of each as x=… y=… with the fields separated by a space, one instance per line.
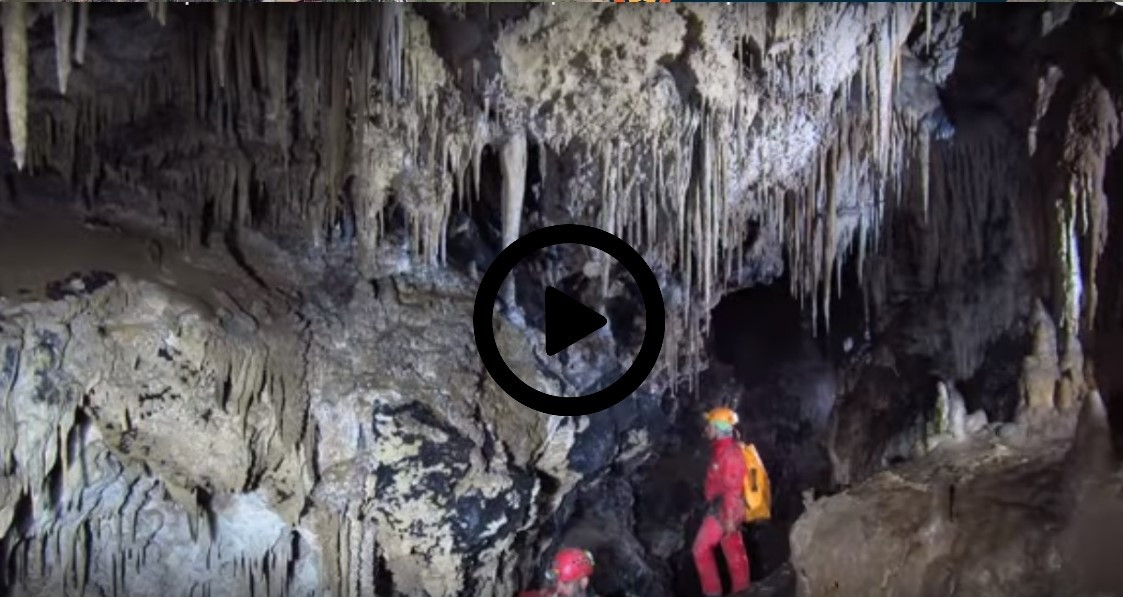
x=156 y=442
x=1010 y=252
x=990 y=517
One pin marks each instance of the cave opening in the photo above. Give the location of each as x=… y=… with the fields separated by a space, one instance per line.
x=784 y=392
x=764 y=362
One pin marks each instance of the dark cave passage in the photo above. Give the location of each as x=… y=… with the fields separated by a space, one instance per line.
x=1108 y=339
x=766 y=364
x=784 y=391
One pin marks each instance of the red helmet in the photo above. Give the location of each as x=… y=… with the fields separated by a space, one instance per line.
x=572 y=564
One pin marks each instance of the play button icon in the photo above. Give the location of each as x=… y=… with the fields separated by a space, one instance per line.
x=568 y=321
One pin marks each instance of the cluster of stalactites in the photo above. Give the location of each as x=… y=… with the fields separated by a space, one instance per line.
x=1092 y=131
x=70 y=48
x=690 y=222
x=360 y=81
x=51 y=545
x=106 y=549
x=355 y=77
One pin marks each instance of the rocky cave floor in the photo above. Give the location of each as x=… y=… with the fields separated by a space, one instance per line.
x=239 y=246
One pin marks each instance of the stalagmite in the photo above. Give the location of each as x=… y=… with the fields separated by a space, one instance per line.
x=15 y=77
x=64 y=25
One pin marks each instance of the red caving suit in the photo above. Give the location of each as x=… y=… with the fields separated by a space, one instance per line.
x=725 y=490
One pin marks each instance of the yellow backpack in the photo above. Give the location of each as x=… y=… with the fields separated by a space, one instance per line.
x=758 y=502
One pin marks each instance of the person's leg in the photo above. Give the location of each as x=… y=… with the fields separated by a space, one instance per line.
x=709 y=535
x=733 y=547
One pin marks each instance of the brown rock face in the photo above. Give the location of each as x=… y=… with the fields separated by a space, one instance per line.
x=989 y=517
x=986 y=525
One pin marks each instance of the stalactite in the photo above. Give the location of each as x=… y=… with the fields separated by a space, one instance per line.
x=641 y=206
x=335 y=136
x=15 y=77
x=220 y=40
x=927 y=25
x=82 y=33
x=355 y=554
x=64 y=25
x=346 y=567
x=830 y=243
x=608 y=211
x=334 y=554
x=513 y=168
x=391 y=47
x=925 y=167
x=158 y=11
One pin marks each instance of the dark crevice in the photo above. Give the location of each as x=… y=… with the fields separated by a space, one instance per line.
x=383 y=578
x=206 y=226
x=994 y=386
x=487 y=209
x=235 y=250
x=679 y=65
x=204 y=502
x=1107 y=341
x=951 y=502
x=749 y=54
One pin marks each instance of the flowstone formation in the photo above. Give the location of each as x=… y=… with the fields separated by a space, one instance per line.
x=239 y=245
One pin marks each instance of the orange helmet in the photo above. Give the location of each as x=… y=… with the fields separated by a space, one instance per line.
x=572 y=564
x=721 y=415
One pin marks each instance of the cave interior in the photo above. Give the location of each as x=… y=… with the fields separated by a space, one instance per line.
x=239 y=246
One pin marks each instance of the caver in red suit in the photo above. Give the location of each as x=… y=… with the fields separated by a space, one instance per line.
x=725 y=497
x=569 y=576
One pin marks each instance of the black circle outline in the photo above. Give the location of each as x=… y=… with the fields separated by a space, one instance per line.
x=653 y=304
